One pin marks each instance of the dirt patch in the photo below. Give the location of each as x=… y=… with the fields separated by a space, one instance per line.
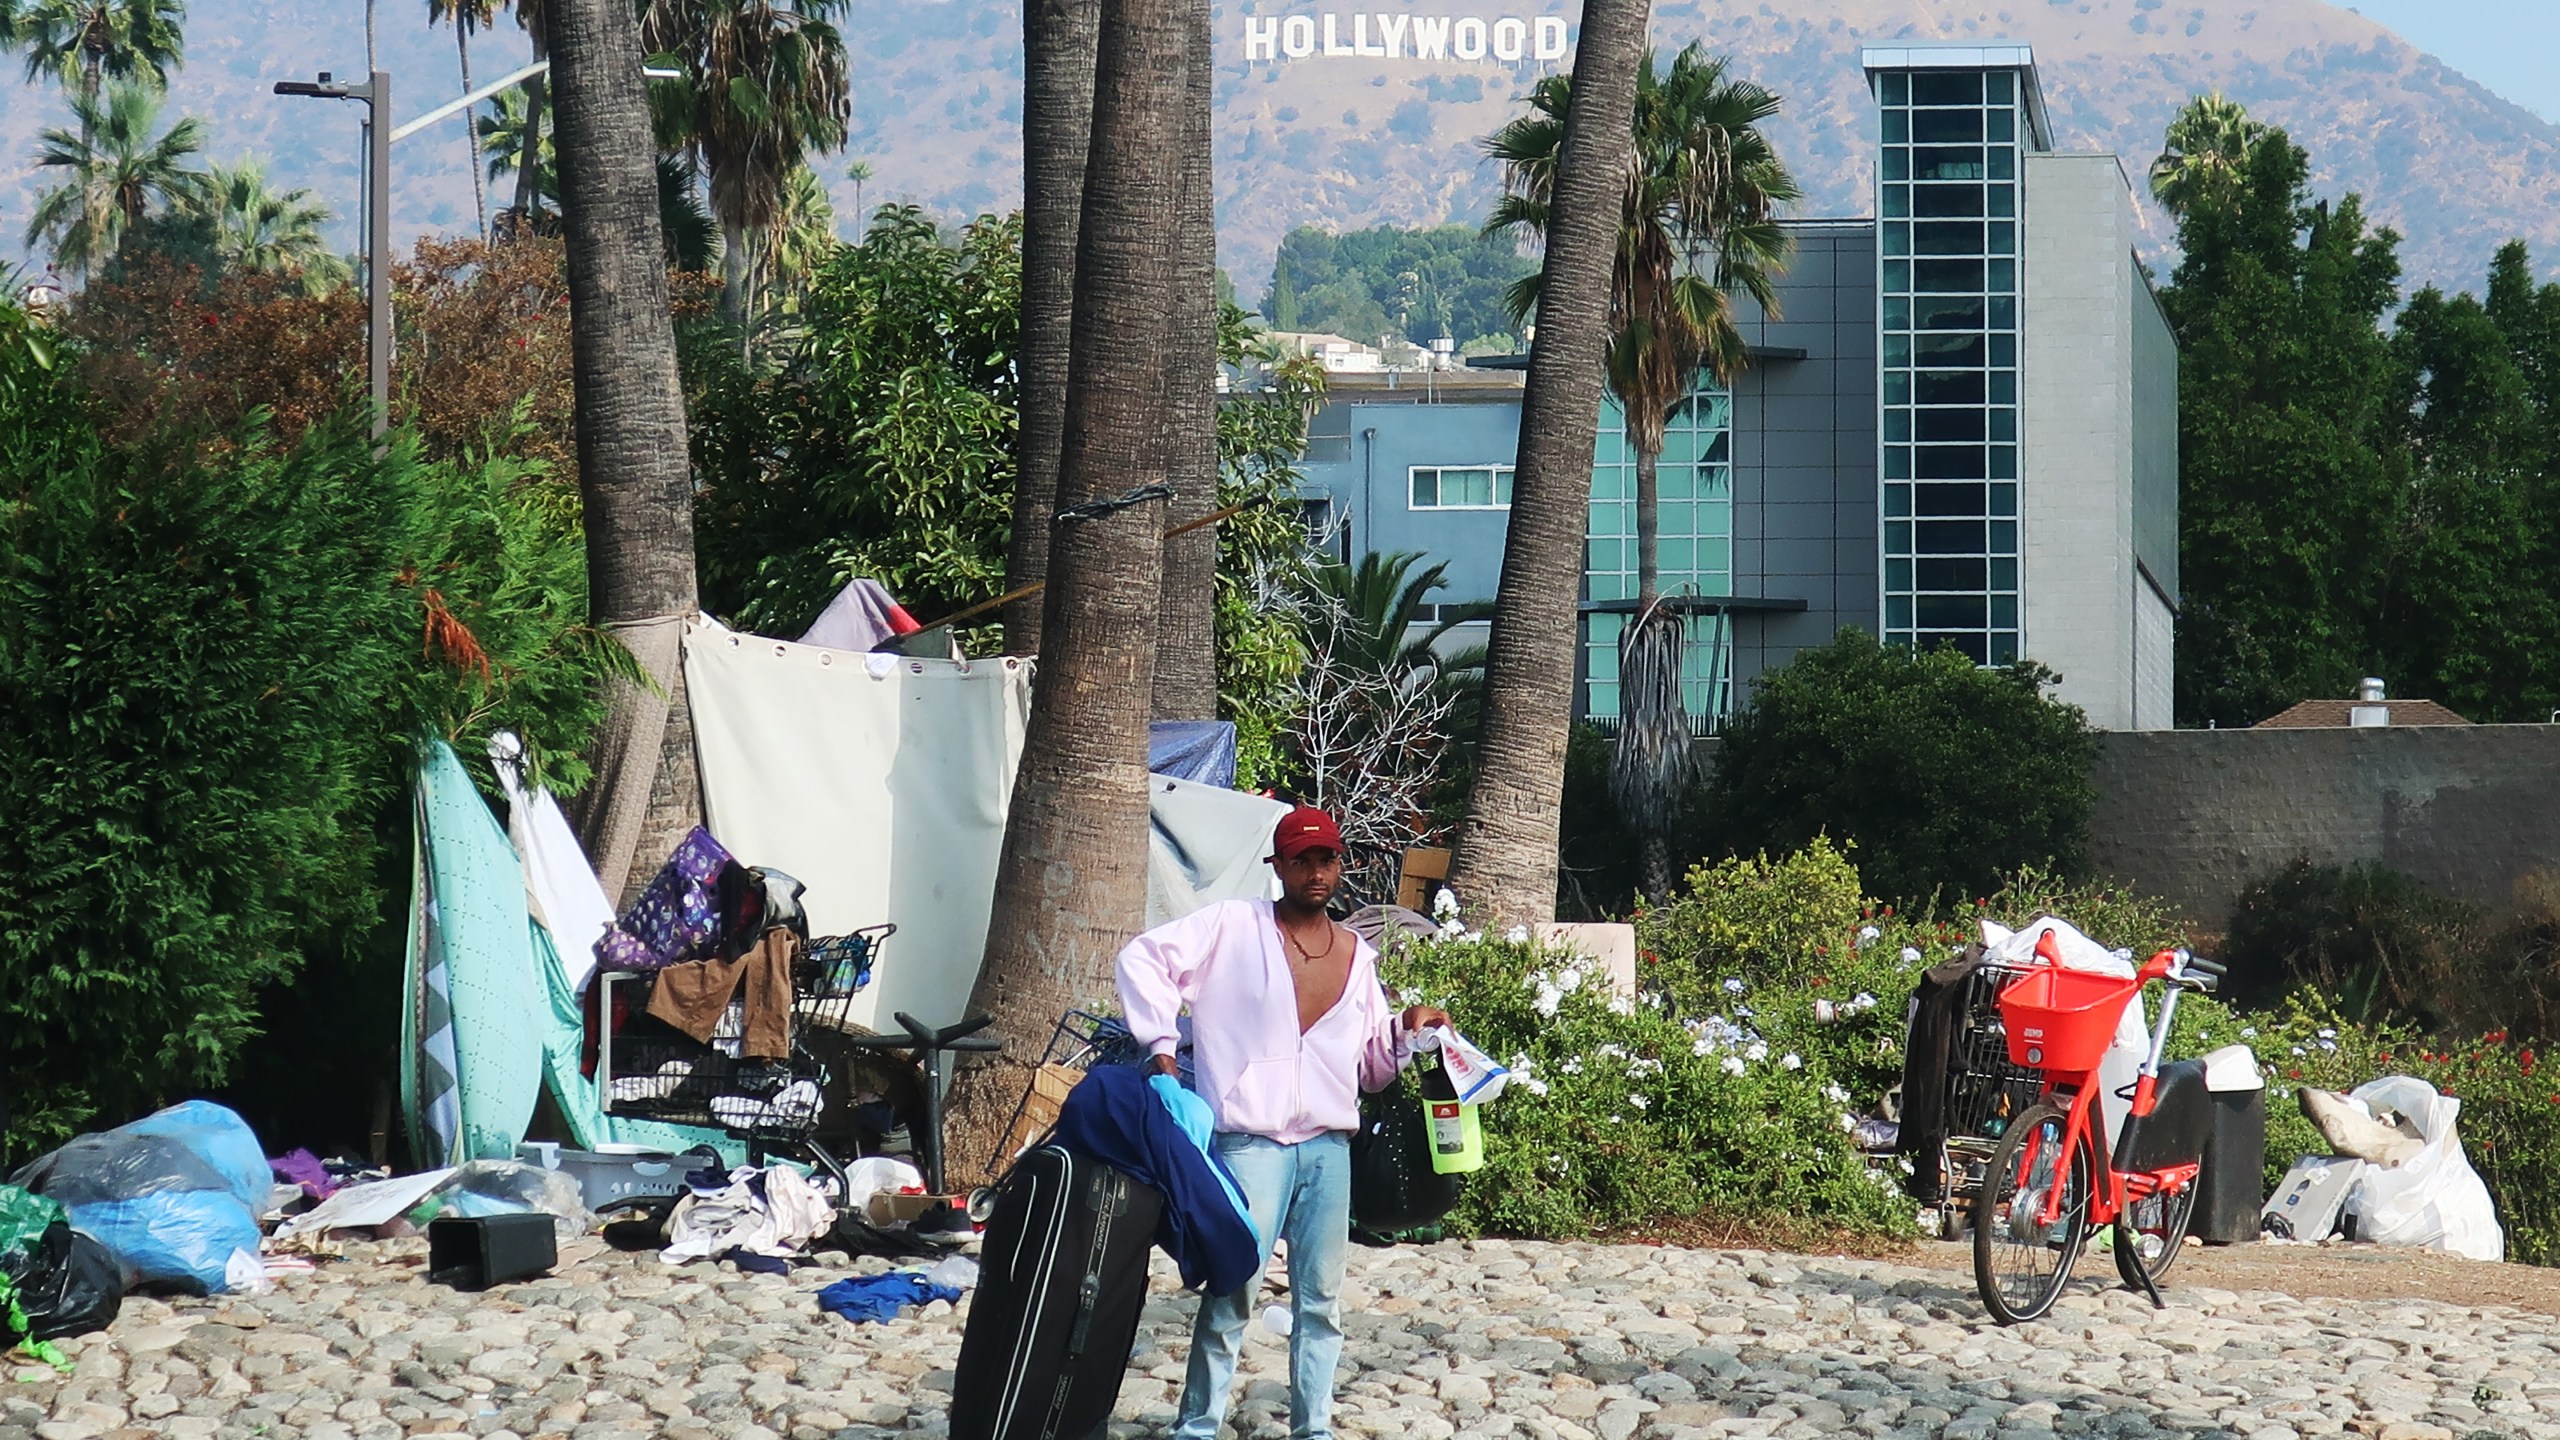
x=2343 y=1272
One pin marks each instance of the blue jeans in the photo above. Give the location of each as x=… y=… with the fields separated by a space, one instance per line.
x=1301 y=1194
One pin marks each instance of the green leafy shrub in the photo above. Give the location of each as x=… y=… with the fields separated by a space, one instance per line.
x=1946 y=775
x=2379 y=943
x=214 y=664
x=1630 y=1113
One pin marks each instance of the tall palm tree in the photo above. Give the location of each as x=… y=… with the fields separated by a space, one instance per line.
x=530 y=183
x=764 y=87
x=467 y=16
x=803 y=235
x=118 y=168
x=507 y=132
x=1697 y=220
x=1058 y=48
x=1506 y=860
x=1071 y=886
x=85 y=43
x=860 y=173
x=634 y=478
x=2208 y=145
x=266 y=231
x=1186 y=681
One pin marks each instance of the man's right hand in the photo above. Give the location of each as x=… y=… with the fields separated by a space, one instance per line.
x=1164 y=1065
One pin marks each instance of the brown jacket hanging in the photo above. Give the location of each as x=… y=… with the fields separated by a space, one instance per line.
x=691 y=997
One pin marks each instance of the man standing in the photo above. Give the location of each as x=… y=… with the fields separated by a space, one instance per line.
x=1289 y=1023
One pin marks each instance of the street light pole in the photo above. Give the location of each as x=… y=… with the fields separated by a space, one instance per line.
x=376 y=93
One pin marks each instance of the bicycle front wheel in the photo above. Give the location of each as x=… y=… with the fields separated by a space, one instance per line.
x=2020 y=1259
x=2150 y=1233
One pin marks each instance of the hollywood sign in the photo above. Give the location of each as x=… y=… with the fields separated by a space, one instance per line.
x=1400 y=36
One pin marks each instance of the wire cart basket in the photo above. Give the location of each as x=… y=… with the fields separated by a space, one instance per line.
x=647 y=1069
x=1985 y=1091
x=1079 y=1042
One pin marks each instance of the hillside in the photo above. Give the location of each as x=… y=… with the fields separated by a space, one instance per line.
x=1351 y=140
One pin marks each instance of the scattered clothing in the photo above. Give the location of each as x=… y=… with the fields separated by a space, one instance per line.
x=304 y=1169
x=881 y=1297
x=773 y=1211
x=1115 y=1117
x=754 y=1264
x=1258 y=1072
x=794 y=1106
x=692 y=996
x=856 y=1237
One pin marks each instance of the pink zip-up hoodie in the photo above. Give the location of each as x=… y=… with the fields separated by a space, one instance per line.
x=1259 y=1075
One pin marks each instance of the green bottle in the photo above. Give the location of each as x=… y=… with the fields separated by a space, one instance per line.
x=1457 y=1136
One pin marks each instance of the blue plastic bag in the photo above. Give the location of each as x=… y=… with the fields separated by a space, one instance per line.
x=173 y=1196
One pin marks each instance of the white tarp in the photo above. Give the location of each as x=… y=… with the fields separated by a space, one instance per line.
x=1206 y=844
x=880 y=782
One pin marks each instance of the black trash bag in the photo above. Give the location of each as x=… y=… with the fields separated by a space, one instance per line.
x=1393 y=1186
x=67 y=1284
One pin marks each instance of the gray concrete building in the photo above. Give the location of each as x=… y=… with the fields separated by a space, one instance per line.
x=1960 y=428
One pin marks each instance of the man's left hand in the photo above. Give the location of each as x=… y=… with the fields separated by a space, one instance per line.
x=1417 y=1017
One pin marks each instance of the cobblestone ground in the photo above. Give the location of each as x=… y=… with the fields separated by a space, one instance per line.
x=1488 y=1341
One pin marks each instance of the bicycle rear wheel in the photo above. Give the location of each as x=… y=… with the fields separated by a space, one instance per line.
x=2020 y=1262
x=2150 y=1232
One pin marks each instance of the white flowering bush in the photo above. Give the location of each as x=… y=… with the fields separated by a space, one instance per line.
x=1622 y=1111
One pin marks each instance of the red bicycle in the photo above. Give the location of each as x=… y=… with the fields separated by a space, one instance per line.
x=2054 y=1178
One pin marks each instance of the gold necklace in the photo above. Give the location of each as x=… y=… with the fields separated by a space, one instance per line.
x=1331 y=939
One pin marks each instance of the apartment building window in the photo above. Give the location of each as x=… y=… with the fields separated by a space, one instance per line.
x=1948 y=290
x=1694 y=504
x=1461 y=487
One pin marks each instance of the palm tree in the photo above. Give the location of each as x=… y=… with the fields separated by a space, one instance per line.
x=1058 y=48
x=467 y=16
x=804 y=234
x=1071 y=887
x=860 y=173
x=635 y=482
x=693 y=237
x=1506 y=860
x=765 y=86
x=266 y=232
x=1186 y=681
x=505 y=134
x=118 y=169
x=2207 y=146
x=1698 y=220
x=1371 y=609
x=85 y=43
x=533 y=183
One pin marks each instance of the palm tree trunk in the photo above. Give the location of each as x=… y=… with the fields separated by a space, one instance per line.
x=529 y=157
x=1058 y=46
x=1506 y=860
x=90 y=199
x=471 y=129
x=634 y=478
x=1072 y=887
x=1648 y=525
x=1186 y=623
x=735 y=261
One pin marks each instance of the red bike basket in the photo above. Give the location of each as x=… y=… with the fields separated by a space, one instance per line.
x=2060 y=1019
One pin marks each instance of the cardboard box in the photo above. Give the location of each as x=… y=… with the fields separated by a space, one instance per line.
x=886 y=1209
x=1049 y=1087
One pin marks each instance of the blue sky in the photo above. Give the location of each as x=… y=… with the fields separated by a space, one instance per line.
x=2507 y=45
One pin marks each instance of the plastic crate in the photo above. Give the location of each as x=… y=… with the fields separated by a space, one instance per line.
x=610 y=1177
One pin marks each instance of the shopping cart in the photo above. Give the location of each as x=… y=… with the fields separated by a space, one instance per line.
x=649 y=1070
x=1985 y=1090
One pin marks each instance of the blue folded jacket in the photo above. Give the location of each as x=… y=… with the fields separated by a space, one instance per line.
x=1114 y=1116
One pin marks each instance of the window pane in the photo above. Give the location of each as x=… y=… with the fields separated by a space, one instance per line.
x=1949 y=275
x=1897 y=576
x=1897 y=201
x=1950 y=387
x=2004 y=462
x=1951 y=612
x=1897 y=425
x=1952 y=202
x=1897 y=275
x=1964 y=424
x=1897 y=462
x=1897 y=313
x=2004 y=574
x=2004 y=649
x=1947 y=238
x=1897 y=500
x=1897 y=611
x=1996 y=86
x=2004 y=424
x=1426 y=488
x=1897 y=88
x=2001 y=125
x=2004 y=499
x=1947 y=87
x=1897 y=537
x=1948 y=163
x=1954 y=537
x=2004 y=387
x=1949 y=462
x=1897 y=237
x=2004 y=238
x=2003 y=164
x=1897 y=126
x=2004 y=611
x=1948 y=312
x=1897 y=387
x=2004 y=537
x=1950 y=575
x=1946 y=127
x=1502 y=486
x=1952 y=350
x=2003 y=276
x=1897 y=163
x=1950 y=500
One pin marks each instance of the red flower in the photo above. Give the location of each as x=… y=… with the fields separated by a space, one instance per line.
x=2524 y=1062
x=2293 y=1074
x=2386 y=1057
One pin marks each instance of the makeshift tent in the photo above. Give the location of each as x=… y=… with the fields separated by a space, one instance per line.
x=1204 y=845
x=1202 y=751
x=470 y=1034
x=880 y=782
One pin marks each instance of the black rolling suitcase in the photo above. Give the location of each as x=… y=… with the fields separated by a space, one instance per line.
x=1062 y=1278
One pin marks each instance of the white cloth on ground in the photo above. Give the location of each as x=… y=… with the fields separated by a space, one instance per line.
x=789 y=1214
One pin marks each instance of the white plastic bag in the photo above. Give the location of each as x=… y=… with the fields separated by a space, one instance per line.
x=2435 y=1201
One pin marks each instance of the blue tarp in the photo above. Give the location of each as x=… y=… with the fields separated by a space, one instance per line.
x=1202 y=751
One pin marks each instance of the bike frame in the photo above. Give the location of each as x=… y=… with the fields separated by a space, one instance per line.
x=2111 y=1189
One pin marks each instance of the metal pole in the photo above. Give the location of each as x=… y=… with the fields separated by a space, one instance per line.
x=378 y=248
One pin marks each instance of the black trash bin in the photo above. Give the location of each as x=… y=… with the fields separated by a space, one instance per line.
x=474 y=1253
x=2232 y=1186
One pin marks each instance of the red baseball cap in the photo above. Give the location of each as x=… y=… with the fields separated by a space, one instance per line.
x=1303 y=829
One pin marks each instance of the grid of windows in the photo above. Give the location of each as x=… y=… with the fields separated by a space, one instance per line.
x=1461 y=487
x=1694 y=504
x=1948 y=290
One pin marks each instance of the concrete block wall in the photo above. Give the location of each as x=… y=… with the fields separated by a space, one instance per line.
x=2194 y=816
x=2076 y=415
